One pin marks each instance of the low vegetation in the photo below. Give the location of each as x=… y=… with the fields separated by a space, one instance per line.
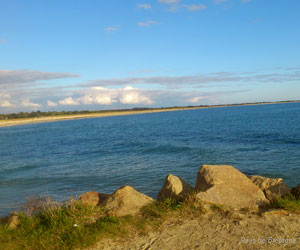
x=38 y=113
x=288 y=202
x=44 y=224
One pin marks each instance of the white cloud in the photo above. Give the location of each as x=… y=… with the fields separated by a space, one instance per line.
x=111 y=29
x=103 y=99
x=5 y=104
x=144 y=6
x=131 y=95
x=103 y=96
x=196 y=99
x=147 y=23
x=98 y=95
x=168 y=1
x=68 y=101
x=195 y=7
x=51 y=104
x=28 y=103
x=129 y=88
x=134 y=97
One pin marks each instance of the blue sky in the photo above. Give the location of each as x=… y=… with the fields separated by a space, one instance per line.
x=97 y=54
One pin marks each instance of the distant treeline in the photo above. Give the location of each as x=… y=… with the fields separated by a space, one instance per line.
x=38 y=113
x=56 y=113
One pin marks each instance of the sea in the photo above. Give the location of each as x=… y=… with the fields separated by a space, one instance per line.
x=67 y=158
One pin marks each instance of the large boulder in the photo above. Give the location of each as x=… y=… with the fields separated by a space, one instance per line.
x=125 y=201
x=174 y=187
x=272 y=187
x=93 y=198
x=225 y=185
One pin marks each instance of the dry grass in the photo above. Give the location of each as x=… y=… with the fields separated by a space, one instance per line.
x=45 y=224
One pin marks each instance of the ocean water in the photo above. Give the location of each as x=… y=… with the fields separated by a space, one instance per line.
x=71 y=157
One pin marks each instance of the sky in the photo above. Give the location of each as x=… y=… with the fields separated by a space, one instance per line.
x=118 y=54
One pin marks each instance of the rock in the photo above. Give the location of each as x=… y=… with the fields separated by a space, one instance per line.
x=13 y=220
x=276 y=212
x=173 y=187
x=272 y=187
x=93 y=198
x=225 y=185
x=296 y=191
x=125 y=201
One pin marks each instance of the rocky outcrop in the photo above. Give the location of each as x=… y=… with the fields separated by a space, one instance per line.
x=174 y=187
x=272 y=187
x=296 y=191
x=225 y=185
x=93 y=198
x=125 y=201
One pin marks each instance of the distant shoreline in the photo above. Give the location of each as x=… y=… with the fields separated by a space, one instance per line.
x=22 y=121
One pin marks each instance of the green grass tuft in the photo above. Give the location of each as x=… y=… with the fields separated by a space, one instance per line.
x=71 y=225
x=288 y=202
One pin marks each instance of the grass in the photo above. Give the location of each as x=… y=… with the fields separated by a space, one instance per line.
x=288 y=202
x=45 y=224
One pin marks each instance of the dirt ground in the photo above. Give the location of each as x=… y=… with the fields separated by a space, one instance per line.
x=275 y=229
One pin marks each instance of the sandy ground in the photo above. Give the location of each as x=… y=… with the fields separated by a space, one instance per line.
x=232 y=230
x=21 y=121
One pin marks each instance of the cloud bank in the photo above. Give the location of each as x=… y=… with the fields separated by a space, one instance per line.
x=104 y=96
x=198 y=80
x=28 y=76
x=127 y=92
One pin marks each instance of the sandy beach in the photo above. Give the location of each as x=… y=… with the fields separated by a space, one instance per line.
x=21 y=121
x=14 y=122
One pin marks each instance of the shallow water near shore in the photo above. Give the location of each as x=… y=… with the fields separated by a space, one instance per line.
x=67 y=158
